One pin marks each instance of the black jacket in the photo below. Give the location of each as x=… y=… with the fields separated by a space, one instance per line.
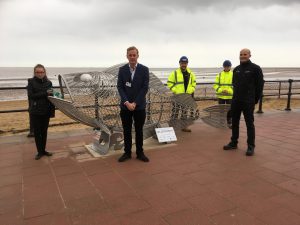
x=133 y=90
x=248 y=82
x=38 y=97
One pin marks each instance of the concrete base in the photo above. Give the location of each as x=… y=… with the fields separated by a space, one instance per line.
x=150 y=143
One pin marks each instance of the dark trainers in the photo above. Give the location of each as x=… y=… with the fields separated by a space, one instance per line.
x=250 y=150
x=124 y=157
x=47 y=153
x=230 y=146
x=186 y=130
x=38 y=156
x=142 y=157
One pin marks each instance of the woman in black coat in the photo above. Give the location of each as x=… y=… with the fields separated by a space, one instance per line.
x=40 y=109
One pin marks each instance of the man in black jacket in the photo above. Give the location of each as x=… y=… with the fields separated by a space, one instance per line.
x=247 y=84
x=133 y=84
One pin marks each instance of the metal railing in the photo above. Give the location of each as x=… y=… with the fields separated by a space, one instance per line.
x=286 y=88
x=205 y=91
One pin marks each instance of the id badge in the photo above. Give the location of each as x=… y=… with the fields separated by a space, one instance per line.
x=128 y=84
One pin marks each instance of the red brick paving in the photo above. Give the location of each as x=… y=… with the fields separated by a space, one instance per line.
x=192 y=182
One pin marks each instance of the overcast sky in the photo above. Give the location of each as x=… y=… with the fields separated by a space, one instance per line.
x=91 y=33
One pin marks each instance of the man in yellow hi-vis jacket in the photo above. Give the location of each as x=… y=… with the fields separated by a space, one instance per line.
x=224 y=89
x=180 y=81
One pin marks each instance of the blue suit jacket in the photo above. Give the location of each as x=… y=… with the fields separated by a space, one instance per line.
x=139 y=86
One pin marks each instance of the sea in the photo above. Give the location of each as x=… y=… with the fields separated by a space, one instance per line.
x=17 y=76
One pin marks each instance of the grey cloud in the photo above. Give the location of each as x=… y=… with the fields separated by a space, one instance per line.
x=189 y=3
x=152 y=23
x=172 y=27
x=195 y=4
x=92 y=21
x=118 y=19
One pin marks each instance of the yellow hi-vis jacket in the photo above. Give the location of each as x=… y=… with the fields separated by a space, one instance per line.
x=223 y=82
x=176 y=82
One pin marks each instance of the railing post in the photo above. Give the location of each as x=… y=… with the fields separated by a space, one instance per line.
x=61 y=87
x=279 y=89
x=288 y=106
x=260 y=104
x=31 y=131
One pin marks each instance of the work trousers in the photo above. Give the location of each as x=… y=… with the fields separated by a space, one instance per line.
x=227 y=102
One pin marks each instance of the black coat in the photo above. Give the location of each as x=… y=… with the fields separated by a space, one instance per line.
x=133 y=90
x=38 y=97
x=248 y=82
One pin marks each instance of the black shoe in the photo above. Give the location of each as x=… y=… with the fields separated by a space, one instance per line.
x=47 y=153
x=124 y=157
x=142 y=157
x=230 y=146
x=30 y=135
x=250 y=150
x=186 y=130
x=38 y=156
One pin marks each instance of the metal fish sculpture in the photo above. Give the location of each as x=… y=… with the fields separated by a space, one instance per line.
x=92 y=98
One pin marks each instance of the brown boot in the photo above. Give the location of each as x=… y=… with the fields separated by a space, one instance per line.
x=186 y=130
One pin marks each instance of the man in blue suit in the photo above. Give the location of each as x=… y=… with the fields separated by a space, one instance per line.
x=133 y=83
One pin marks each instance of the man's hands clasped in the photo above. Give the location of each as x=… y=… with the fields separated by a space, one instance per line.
x=130 y=106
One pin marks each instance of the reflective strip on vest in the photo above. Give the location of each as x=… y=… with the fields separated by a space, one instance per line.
x=174 y=84
x=225 y=84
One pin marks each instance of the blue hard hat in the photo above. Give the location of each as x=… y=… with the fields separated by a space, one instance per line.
x=226 y=63
x=183 y=59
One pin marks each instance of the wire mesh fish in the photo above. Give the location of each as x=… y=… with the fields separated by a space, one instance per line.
x=92 y=98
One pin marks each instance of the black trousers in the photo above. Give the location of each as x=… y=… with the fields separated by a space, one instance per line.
x=227 y=102
x=127 y=117
x=40 y=129
x=237 y=108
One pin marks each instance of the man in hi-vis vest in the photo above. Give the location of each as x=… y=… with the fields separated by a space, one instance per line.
x=224 y=89
x=182 y=81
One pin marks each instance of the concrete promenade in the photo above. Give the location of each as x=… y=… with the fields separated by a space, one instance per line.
x=191 y=182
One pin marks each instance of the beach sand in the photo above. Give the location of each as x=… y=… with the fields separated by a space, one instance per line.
x=14 y=123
